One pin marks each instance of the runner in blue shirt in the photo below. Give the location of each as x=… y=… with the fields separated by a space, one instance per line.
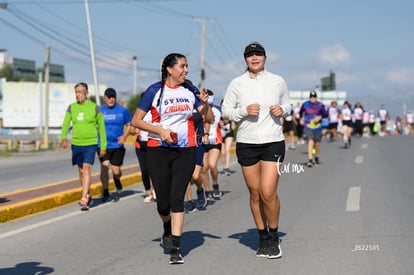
x=312 y=112
x=117 y=125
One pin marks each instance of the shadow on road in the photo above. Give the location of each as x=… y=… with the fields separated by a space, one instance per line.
x=3 y=200
x=27 y=268
x=191 y=240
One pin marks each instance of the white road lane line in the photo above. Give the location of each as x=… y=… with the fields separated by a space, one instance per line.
x=36 y=225
x=60 y=218
x=364 y=146
x=353 y=200
x=359 y=159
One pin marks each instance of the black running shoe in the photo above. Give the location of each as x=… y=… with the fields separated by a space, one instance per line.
x=118 y=186
x=275 y=251
x=175 y=256
x=263 y=249
x=166 y=242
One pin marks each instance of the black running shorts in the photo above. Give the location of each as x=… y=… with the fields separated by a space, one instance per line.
x=250 y=154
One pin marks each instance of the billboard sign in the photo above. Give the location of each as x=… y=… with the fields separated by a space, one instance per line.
x=23 y=103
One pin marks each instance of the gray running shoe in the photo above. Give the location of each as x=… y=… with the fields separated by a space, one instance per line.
x=228 y=170
x=209 y=197
x=216 y=193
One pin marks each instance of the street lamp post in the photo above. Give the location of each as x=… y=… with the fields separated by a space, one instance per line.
x=47 y=85
x=134 y=75
x=95 y=77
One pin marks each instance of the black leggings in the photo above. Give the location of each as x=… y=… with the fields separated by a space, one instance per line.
x=171 y=170
x=143 y=164
x=299 y=130
x=358 y=127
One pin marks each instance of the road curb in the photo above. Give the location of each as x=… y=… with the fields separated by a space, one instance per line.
x=43 y=203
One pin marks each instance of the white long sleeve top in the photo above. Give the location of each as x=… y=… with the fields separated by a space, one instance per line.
x=266 y=89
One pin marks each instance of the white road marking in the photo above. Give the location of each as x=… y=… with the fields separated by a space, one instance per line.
x=359 y=159
x=353 y=200
x=364 y=146
x=53 y=220
x=36 y=225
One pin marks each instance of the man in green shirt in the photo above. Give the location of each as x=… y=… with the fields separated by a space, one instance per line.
x=87 y=120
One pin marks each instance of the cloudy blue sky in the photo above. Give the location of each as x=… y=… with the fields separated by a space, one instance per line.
x=368 y=44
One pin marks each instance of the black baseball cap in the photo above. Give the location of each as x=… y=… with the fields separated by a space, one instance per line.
x=313 y=94
x=254 y=47
x=110 y=92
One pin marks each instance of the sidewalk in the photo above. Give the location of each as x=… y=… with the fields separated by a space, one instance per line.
x=26 y=202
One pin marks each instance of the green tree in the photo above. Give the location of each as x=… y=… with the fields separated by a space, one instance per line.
x=92 y=98
x=133 y=103
x=7 y=73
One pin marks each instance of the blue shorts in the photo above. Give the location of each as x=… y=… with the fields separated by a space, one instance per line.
x=83 y=154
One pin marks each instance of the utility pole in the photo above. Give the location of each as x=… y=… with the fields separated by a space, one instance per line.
x=95 y=77
x=41 y=114
x=134 y=75
x=46 y=121
x=203 y=21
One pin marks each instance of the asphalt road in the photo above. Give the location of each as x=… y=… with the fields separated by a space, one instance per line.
x=350 y=215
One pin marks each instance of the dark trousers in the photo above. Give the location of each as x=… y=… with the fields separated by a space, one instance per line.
x=171 y=170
